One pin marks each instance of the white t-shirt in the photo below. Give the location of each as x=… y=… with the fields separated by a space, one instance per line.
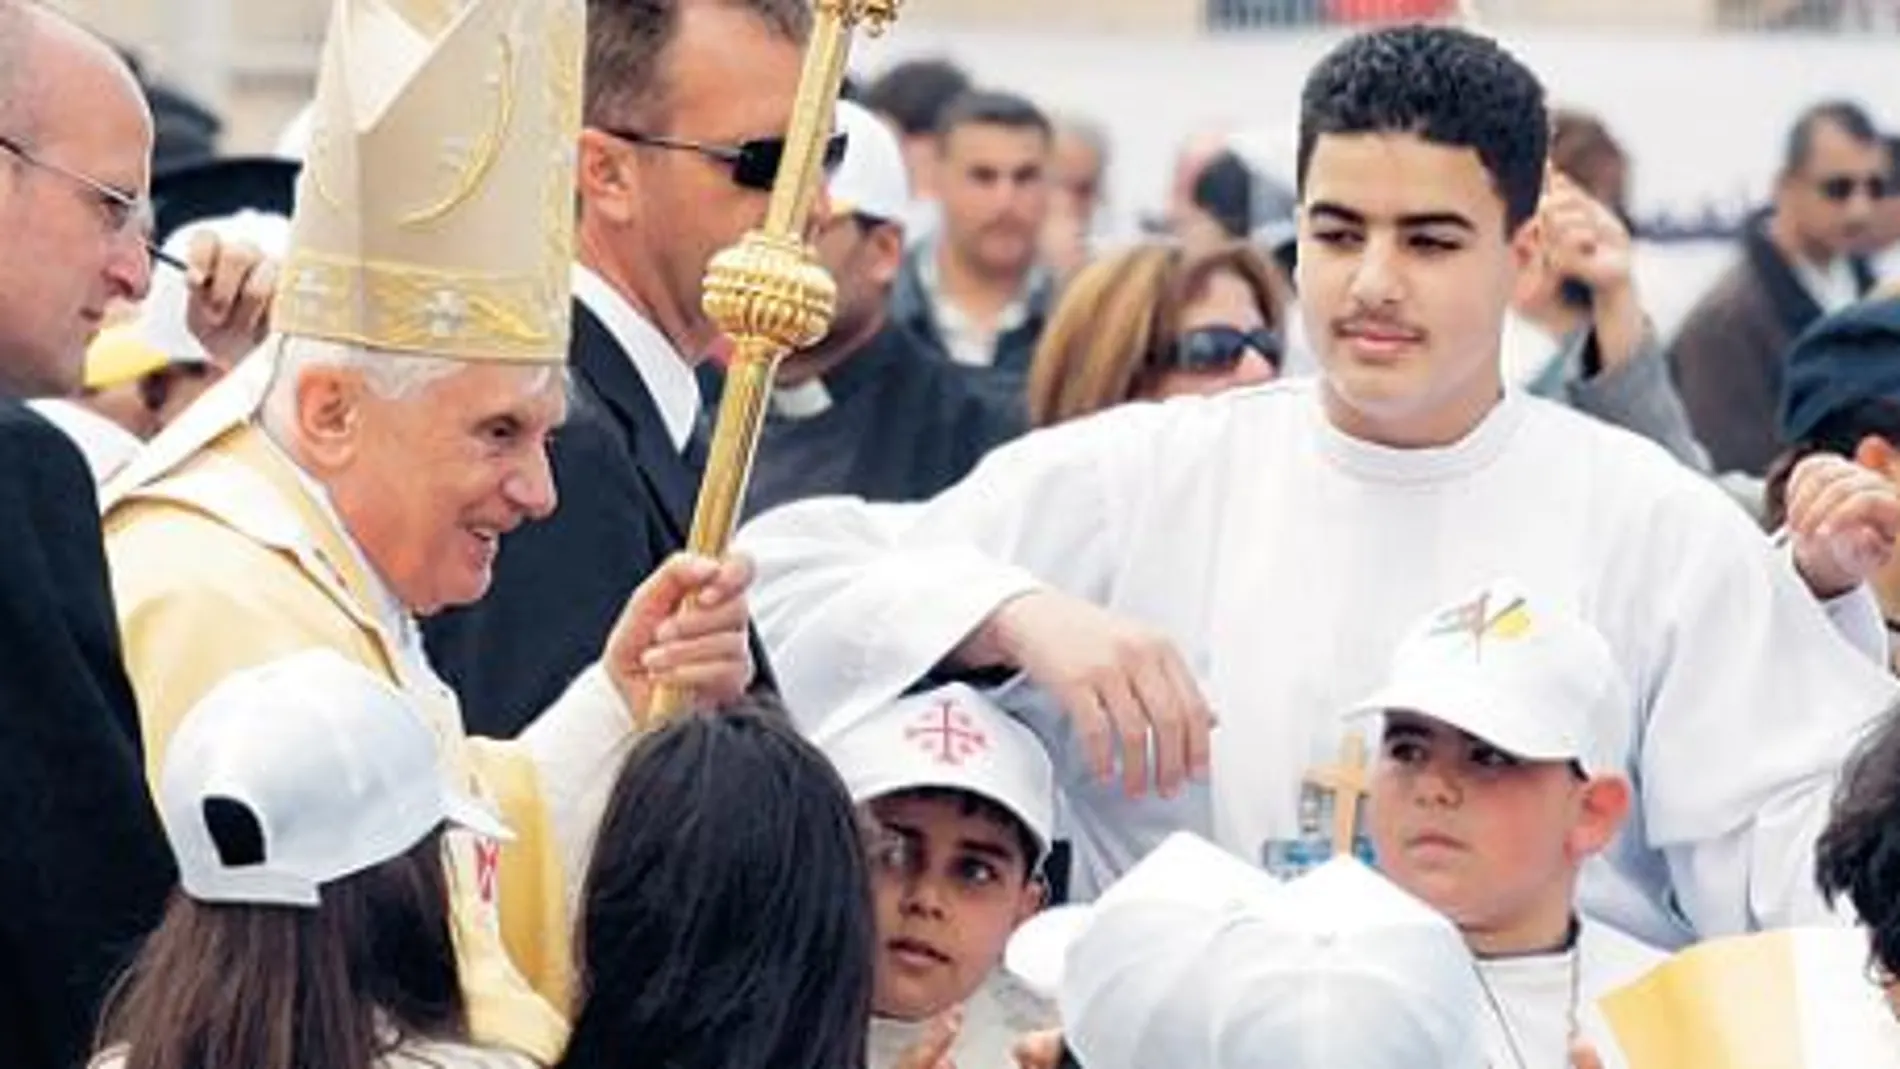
x=1534 y=995
x=994 y=1019
x=1285 y=560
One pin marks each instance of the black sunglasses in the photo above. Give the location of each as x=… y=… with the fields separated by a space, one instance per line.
x=1209 y=349
x=1840 y=188
x=754 y=163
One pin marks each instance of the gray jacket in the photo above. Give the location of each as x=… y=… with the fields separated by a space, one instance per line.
x=1638 y=396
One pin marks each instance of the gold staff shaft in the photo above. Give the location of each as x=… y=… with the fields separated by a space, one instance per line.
x=768 y=294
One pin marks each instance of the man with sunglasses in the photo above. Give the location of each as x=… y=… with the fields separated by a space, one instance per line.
x=687 y=103
x=1801 y=259
x=87 y=869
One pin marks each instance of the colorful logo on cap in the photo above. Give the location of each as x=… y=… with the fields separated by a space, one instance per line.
x=1475 y=620
x=948 y=735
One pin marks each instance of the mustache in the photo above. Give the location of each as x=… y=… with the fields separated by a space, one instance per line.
x=1376 y=323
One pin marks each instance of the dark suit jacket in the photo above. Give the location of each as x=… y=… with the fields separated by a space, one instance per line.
x=903 y=424
x=625 y=505
x=1728 y=356
x=86 y=868
x=912 y=308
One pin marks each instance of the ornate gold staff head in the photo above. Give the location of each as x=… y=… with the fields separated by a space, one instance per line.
x=768 y=293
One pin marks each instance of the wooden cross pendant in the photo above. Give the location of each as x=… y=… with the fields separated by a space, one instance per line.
x=1348 y=784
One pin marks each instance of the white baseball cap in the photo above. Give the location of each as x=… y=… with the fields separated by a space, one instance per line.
x=1522 y=673
x=872 y=179
x=1184 y=868
x=1339 y=968
x=950 y=738
x=338 y=771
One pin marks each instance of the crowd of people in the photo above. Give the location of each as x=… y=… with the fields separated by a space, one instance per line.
x=1342 y=601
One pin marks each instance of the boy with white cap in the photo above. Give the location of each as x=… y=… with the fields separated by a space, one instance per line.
x=1495 y=783
x=965 y=797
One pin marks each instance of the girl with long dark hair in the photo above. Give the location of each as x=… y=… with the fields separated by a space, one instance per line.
x=726 y=921
x=304 y=802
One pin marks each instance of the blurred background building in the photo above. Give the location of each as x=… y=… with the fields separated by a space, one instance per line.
x=251 y=62
x=1699 y=92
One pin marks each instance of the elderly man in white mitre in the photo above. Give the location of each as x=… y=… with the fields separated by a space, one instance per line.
x=362 y=468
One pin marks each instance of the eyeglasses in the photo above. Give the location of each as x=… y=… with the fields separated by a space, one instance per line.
x=124 y=213
x=754 y=164
x=1212 y=349
x=1840 y=188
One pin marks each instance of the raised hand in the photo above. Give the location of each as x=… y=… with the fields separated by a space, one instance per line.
x=1039 y=1050
x=232 y=286
x=1842 y=521
x=1121 y=683
x=684 y=626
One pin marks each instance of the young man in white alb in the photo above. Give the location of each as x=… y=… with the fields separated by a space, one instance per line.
x=1256 y=556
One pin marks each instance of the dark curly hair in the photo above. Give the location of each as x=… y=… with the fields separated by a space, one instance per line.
x=1858 y=853
x=1445 y=85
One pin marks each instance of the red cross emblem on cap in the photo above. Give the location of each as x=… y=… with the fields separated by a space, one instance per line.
x=948 y=735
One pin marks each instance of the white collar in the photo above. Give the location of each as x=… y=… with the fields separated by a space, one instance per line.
x=665 y=372
x=806 y=400
x=106 y=446
x=390 y=611
x=1479 y=447
x=1833 y=287
x=995 y=1015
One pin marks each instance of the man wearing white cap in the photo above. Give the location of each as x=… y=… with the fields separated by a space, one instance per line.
x=1196 y=959
x=1497 y=778
x=871 y=411
x=361 y=469
x=965 y=797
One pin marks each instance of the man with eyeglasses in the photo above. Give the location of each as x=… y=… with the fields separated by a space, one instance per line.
x=687 y=103
x=1800 y=260
x=87 y=869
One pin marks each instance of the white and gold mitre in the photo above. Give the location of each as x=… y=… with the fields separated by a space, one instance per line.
x=435 y=210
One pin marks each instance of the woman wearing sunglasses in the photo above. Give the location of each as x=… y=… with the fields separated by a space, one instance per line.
x=1155 y=321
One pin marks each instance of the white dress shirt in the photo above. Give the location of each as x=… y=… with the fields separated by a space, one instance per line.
x=668 y=376
x=1833 y=287
x=105 y=445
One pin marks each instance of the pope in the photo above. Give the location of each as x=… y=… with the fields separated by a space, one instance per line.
x=362 y=467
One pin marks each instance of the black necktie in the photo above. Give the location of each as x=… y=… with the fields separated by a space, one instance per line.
x=698 y=449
